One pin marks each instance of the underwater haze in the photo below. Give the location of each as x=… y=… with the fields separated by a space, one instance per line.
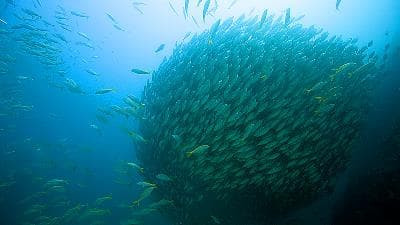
x=193 y=112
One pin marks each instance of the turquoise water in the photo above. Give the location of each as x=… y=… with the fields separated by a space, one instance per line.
x=69 y=130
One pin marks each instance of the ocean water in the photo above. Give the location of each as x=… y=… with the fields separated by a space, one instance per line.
x=86 y=113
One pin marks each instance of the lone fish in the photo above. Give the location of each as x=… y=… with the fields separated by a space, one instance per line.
x=160 y=48
x=104 y=91
x=139 y=71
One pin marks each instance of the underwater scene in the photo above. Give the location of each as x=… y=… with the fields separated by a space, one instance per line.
x=199 y=112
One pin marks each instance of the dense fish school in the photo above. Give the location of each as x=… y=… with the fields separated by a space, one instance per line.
x=253 y=114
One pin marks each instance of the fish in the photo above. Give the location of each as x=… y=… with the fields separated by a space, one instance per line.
x=163 y=177
x=370 y=43
x=66 y=28
x=139 y=3
x=145 y=194
x=200 y=149
x=137 y=9
x=73 y=86
x=263 y=17
x=139 y=71
x=145 y=184
x=31 y=13
x=83 y=35
x=287 y=17
x=161 y=203
x=79 y=14
x=39 y=3
x=61 y=37
x=135 y=166
x=205 y=9
x=101 y=200
x=338 y=4
x=195 y=22
x=160 y=48
x=118 y=27
x=132 y=222
x=135 y=136
x=24 y=78
x=214 y=28
x=177 y=138
x=214 y=9
x=92 y=72
x=104 y=91
x=84 y=44
x=215 y=220
x=3 y=21
x=56 y=182
x=186 y=35
x=111 y=18
x=232 y=4
x=344 y=67
x=7 y=184
x=173 y=9
x=186 y=7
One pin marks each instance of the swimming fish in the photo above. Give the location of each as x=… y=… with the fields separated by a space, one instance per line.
x=135 y=136
x=173 y=9
x=370 y=43
x=118 y=27
x=31 y=13
x=146 y=193
x=137 y=9
x=287 y=17
x=186 y=7
x=195 y=22
x=177 y=138
x=337 y=4
x=146 y=184
x=197 y=150
x=134 y=165
x=104 y=91
x=163 y=177
x=139 y=71
x=83 y=35
x=79 y=14
x=111 y=18
x=216 y=220
x=160 y=48
x=101 y=200
x=205 y=9
x=232 y=4
x=3 y=21
x=263 y=17
x=92 y=72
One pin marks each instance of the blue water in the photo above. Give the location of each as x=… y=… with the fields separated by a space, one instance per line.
x=55 y=140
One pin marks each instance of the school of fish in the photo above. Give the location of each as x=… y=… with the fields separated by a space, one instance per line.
x=266 y=106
